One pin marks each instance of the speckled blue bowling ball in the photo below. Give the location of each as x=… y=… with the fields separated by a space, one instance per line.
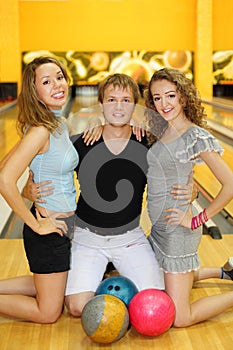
x=118 y=286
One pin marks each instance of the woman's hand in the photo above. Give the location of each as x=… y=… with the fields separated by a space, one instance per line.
x=93 y=131
x=92 y=135
x=139 y=130
x=50 y=224
x=178 y=217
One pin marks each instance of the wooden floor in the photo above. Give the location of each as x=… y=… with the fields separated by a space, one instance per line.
x=67 y=333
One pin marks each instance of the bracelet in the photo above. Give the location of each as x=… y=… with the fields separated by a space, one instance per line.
x=199 y=220
x=194 y=223
x=205 y=215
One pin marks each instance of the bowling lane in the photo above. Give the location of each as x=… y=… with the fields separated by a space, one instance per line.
x=8 y=133
x=220 y=117
x=223 y=117
x=8 y=138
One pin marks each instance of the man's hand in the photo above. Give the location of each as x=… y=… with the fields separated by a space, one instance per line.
x=35 y=192
x=185 y=193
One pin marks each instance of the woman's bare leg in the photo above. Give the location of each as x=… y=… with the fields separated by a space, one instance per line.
x=207 y=272
x=45 y=308
x=23 y=285
x=178 y=286
x=224 y=272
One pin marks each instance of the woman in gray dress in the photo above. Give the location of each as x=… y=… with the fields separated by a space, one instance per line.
x=176 y=233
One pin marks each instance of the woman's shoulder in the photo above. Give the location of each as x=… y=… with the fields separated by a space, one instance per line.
x=37 y=133
x=197 y=131
x=42 y=130
x=194 y=141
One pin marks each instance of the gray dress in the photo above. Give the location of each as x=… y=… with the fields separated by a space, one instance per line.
x=171 y=163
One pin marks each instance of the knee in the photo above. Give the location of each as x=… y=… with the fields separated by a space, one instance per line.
x=75 y=303
x=49 y=317
x=178 y=324
x=182 y=321
x=74 y=308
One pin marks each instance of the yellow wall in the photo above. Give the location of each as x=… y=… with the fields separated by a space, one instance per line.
x=114 y=25
x=204 y=49
x=111 y=25
x=222 y=25
x=10 y=60
x=117 y=25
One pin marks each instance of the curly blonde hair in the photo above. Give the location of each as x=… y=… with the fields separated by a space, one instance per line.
x=31 y=110
x=189 y=97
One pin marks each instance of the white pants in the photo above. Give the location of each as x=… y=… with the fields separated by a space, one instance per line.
x=130 y=253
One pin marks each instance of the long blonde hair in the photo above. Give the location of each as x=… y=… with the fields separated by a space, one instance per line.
x=31 y=110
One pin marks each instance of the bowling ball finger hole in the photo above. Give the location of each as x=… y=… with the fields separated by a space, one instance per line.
x=117 y=288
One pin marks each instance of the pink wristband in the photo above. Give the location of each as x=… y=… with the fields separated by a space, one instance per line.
x=199 y=220
x=205 y=215
x=194 y=223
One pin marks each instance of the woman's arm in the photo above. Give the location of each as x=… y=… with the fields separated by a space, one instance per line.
x=13 y=168
x=4 y=160
x=224 y=175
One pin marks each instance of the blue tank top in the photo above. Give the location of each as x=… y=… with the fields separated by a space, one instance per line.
x=57 y=165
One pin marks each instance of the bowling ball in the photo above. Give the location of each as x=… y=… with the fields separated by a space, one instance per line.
x=151 y=312
x=119 y=286
x=105 y=319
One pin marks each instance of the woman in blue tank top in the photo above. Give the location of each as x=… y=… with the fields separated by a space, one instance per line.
x=45 y=148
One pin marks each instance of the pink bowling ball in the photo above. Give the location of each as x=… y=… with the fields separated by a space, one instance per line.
x=151 y=312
